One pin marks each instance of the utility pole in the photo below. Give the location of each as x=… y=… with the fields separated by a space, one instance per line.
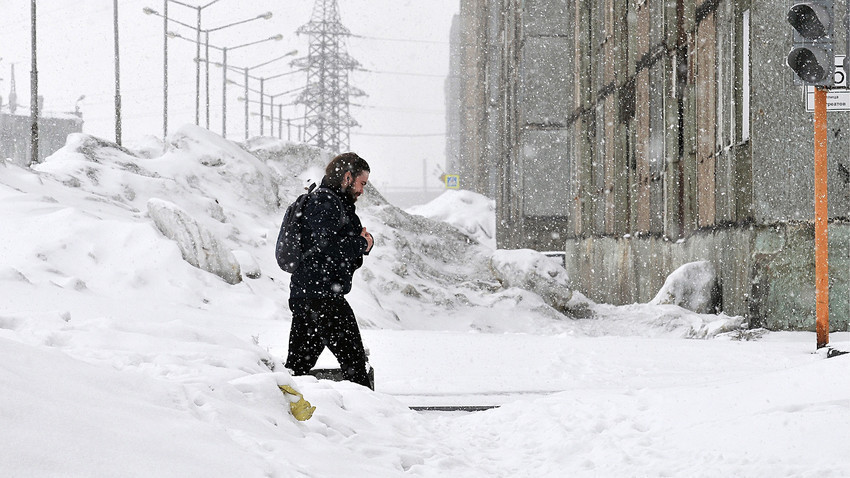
x=117 y=77
x=34 y=93
x=13 y=95
x=327 y=96
x=164 y=70
x=224 y=93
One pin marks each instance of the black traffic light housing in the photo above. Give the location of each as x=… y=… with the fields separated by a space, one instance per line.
x=812 y=55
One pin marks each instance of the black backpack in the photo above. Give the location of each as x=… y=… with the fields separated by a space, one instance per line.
x=288 y=250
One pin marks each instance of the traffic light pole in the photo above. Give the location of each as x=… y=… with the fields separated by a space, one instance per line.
x=812 y=58
x=821 y=215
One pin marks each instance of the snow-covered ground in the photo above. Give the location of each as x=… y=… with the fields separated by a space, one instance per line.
x=143 y=321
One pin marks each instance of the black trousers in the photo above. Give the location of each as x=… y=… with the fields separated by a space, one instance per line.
x=326 y=322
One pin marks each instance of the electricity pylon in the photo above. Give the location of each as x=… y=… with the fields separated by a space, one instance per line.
x=326 y=98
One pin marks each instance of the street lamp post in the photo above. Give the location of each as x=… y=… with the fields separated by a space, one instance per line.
x=165 y=70
x=224 y=51
x=246 y=73
x=198 y=30
x=246 y=103
x=34 y=93
x=77 y=111
x=272 y=97
x=117 y=78
x=224 y=94
x=263 y=95
x=280 y=120
x=207 y=47
x=271 y=116
x=262 y=103
x=206 y=76
x=224 y=77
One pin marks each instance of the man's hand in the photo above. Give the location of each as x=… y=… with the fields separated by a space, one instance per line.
x=369 y=241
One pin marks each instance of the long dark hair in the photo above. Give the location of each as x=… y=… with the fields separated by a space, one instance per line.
x=345 y=163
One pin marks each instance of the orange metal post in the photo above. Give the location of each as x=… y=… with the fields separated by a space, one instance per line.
x=821 y=215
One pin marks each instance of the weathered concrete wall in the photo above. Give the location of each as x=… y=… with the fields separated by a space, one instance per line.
x=766 y=272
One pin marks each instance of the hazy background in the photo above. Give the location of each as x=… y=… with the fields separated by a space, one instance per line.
x=405 y=51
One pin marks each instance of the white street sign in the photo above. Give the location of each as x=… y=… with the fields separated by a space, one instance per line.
x=838 y=97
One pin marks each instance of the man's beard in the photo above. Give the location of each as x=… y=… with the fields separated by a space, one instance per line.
x=349 y=193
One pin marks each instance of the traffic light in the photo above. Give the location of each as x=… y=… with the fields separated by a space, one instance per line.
x=812 y=55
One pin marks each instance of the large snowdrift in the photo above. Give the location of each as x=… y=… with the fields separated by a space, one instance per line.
x=219 y=206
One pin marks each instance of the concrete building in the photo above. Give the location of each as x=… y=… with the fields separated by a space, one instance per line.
x=53 y=130
x=641 y=135
x=16 y=129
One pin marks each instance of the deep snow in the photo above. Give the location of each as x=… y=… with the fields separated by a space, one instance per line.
x=120 y=358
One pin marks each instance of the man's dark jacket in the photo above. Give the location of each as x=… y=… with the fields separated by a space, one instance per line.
x=333 y=244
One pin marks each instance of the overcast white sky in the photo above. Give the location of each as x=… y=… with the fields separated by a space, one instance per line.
x=406 y=50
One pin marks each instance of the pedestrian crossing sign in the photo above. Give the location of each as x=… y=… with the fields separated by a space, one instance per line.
x=452 y=181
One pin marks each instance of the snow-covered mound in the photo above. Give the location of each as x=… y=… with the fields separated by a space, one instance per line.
x=692 y=286
x=224 y=206
x=528 y=269
x=230 y=199
x=472 y=213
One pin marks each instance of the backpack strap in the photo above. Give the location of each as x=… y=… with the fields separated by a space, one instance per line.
x=329 y=192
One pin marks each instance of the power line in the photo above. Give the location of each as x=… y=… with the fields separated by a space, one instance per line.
x=408 y=40
x=400 y=110
x=426 y=135
x=428 y=75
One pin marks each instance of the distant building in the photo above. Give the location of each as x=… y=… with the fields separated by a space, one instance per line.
x=53 y=130
x=15 y=130
x=638 y=136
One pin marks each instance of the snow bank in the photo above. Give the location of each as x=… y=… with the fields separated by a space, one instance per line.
x=471 y=213
x=531 y=270
x=692 y=286
x=236 y=195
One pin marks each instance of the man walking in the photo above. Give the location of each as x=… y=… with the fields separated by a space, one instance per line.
x=334 y=242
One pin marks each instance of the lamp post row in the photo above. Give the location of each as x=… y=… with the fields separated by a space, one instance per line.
x=280 y=119
x=224 y=78
x=261 y=91
x=261 y=101
x=34 y=107
x=262 y=81
x=224 y=50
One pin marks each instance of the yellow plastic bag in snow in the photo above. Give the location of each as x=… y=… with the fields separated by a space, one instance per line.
x=300 y=408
